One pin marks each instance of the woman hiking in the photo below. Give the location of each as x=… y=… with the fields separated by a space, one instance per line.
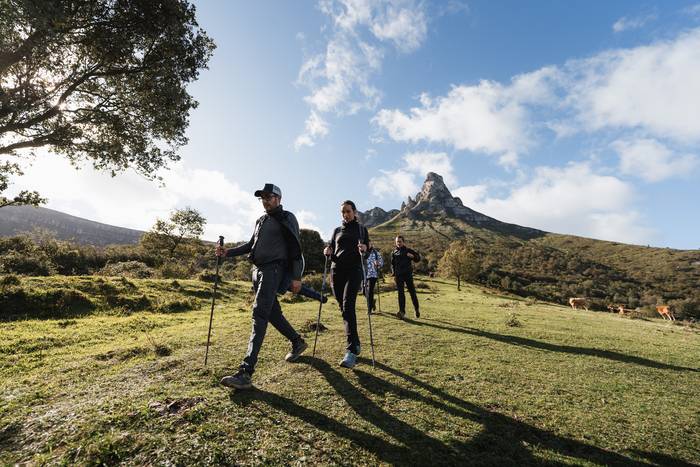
x=375 y=263
x=348 y=244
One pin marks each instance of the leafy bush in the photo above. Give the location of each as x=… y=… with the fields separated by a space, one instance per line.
x=133 y=269
x=17 y=302
x=178 y=305
x=174 y=270
x=129 y=302
x=9 y=280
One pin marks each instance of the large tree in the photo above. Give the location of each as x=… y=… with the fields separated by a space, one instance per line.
x=98 y=80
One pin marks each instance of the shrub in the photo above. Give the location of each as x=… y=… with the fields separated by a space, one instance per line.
x=208 y=276
x=174 y=270
x=129 y=303
x=17 y=302
x=9 y=280
x=177 y=305
x=133 y=269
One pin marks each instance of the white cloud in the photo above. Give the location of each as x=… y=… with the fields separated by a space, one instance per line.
x=420 y=163
x=405 y=25
x=652 y=91
x=626 y=24
x=654 y=88
x=391 y=183
x=406 y=180
x=339 y=80
x=130 y=200
x=307 y=220
x=488 y=117
x=653 y=161
x=573 y=200
x=315 y=127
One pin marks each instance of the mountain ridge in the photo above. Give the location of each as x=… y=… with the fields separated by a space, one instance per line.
x=15 y=220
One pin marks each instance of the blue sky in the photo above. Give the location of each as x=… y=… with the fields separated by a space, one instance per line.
x=570 y=116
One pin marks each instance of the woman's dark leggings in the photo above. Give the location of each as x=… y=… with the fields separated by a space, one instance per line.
x=345 y=285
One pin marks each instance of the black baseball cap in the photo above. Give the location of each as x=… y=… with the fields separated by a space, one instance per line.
x=269 y=188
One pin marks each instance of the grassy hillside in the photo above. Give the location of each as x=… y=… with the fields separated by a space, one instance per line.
x=482 y=378
x=555 y=267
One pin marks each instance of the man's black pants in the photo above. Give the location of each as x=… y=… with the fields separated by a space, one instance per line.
x=266 y=309
x=408 y=281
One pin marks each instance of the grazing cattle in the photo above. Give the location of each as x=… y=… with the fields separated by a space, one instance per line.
x=665 y=312
x=578 y=302
x=622 y=310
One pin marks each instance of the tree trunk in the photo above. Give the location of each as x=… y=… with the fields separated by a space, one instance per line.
x=459 y=288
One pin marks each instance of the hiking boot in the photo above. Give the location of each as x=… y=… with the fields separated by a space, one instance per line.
x=417 y=314
x=359 y=349
x=400 y=314
x=297 y=349
x=324 y=299
x=241 y=380
x=349 y=360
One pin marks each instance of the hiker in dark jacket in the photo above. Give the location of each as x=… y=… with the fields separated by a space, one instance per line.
x=402 y=269
x=275 y=251
x=348 y=244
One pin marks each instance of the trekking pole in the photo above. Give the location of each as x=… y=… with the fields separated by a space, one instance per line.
x=213 y=299
x=320 y=305
x=379 y=292
x=369 y=313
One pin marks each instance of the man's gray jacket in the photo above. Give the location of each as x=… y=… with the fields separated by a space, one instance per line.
x=292 y=241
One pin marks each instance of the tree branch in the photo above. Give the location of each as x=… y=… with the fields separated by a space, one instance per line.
x=9 y=59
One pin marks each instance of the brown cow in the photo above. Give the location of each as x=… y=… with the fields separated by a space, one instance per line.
x=578 y=302
x=665 y=312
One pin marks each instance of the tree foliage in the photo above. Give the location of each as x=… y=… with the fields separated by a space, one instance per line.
x=24 y=197
x=99 y=80
x=312 y=246
x=166 y=236
x=459 y=261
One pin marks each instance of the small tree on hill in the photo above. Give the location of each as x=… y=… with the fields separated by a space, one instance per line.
x=168 y=235
x=459 y=261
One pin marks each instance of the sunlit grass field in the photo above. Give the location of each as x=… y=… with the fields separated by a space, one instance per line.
x=479 y=379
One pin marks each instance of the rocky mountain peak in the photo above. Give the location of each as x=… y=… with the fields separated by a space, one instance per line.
x=376 y=216
x=435 y=198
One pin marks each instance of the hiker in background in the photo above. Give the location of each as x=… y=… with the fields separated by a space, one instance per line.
x=275 y=250
x=348 y=244
x=374 y=265
x=402 y=270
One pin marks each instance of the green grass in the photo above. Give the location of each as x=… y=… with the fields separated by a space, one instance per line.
x=481 y=378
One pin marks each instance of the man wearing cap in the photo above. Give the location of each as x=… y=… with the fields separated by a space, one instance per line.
x=275 y=250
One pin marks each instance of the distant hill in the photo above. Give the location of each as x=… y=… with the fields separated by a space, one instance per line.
x=546 y=265
x=19 y=219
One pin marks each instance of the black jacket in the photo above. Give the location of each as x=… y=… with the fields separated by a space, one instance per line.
x=344 y=253
x=290 y=230
x=401 y=263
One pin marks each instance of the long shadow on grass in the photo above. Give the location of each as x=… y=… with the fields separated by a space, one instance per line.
x=502 y=441
x=535 y=344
